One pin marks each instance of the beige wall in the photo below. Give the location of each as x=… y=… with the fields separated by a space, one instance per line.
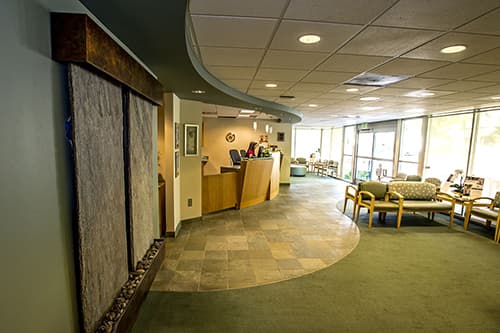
x=217 y=148
x=190 y=175
x=169 y=115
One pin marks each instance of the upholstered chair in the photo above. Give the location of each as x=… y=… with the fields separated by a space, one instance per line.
x=413 y=178
x=375 y=198
x=486 y=208
x=435 y=181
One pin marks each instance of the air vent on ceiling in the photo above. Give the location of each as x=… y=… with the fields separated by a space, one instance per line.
x=230 y=117
x=376 y=80
x=287 y=96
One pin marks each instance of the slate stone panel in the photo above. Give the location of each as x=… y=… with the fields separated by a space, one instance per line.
x=141 y=174
x=97 y=118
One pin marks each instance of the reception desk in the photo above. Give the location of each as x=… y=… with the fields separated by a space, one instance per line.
x=256 y=180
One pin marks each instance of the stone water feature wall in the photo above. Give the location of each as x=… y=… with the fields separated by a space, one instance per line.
x=140 y=174
x=97 y=124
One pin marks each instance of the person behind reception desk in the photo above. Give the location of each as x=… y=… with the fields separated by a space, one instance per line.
x=251 y=149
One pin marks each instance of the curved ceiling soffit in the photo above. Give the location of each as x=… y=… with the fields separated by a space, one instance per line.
x=161 y=39
x=284 y=113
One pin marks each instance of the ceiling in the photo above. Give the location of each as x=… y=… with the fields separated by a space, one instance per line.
x=246 y=44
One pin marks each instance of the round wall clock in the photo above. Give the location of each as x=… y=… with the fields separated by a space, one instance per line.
x=230 y=137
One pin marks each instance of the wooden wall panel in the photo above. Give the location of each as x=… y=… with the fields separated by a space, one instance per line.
x=97 y=118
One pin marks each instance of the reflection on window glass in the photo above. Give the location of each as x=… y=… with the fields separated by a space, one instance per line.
x=347 y=167
x=384 y=145
x=337 y=144
x=349 y=137
x=484 y=163
x=408 y=168
x=365 y=144
x=385 y=168
x=307 y=141
x=364 y=169
x=411 y=140
x=448 y=145
x=326 y=139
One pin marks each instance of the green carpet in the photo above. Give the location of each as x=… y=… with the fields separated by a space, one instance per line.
x=424 y=277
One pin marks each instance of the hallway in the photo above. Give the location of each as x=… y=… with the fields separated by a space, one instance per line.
x=299 y=232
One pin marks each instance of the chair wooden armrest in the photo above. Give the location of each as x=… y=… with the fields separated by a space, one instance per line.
x=474 y=202
x=399 y=197
x=351 y=191
x=446 y=197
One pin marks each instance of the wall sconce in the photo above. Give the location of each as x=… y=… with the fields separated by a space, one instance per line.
x=270 y=129
x=254 y=125
x=267 y=128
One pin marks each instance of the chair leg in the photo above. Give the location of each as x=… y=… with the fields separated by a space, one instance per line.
x=345 y=204
x=370 y=219
x=398 y=223
x=452 y=214
x=357 y=213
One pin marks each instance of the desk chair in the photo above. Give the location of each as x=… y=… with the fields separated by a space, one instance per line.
x=235 y=156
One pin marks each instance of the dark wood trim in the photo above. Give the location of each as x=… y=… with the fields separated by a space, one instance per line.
x=176 y=232
x=127 y=320
x=78 y=39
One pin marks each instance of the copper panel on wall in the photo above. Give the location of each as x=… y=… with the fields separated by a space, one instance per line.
x=97 y=124
x=76 y=38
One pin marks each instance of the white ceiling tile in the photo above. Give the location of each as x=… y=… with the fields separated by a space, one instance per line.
x=233 y=32
x=290 y=75
x=489 y=77
x=225 y=72
x=487 y=24
x=462 y=85
x=328 y=77
x=313 y=88
x=475 y=44
x=459 y=71
x=467 y=96
x=382 y=41
x=401 y=66
x=292 y=59
x=493 y=90
x=488 y=58
x=332 y=35
x=218 y=56
x=420 y=83
x=257 y=8
x=342 y=11
x=437 y=14
x=341 y=89
x=351 y=63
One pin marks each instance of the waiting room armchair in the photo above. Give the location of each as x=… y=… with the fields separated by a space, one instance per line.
x=486 y=208
x=375 y=198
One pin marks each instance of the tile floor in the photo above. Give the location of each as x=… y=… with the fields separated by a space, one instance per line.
x=297 y=233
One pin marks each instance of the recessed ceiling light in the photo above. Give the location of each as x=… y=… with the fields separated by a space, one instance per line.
x=312 y=105
x=371 y=108
x=247 y=111
x=495 y=97
x=243 y=116
x=453 y=49
x=309 y=39
x=352 y=89
x=351 y=116
x=369 y=98
x=198 y=91
x=271 y=85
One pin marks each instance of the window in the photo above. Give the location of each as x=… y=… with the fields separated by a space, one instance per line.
x=307 y=141
x=486 y=147
x=448 y=145
x=410 y=146
x=349 y=138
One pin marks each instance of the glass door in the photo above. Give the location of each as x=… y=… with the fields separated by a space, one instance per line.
x=364 y=156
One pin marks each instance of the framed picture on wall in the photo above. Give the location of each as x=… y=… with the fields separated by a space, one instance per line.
x=281 y=137
x=177 y=135
x=177 y=163
x=191 y=139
